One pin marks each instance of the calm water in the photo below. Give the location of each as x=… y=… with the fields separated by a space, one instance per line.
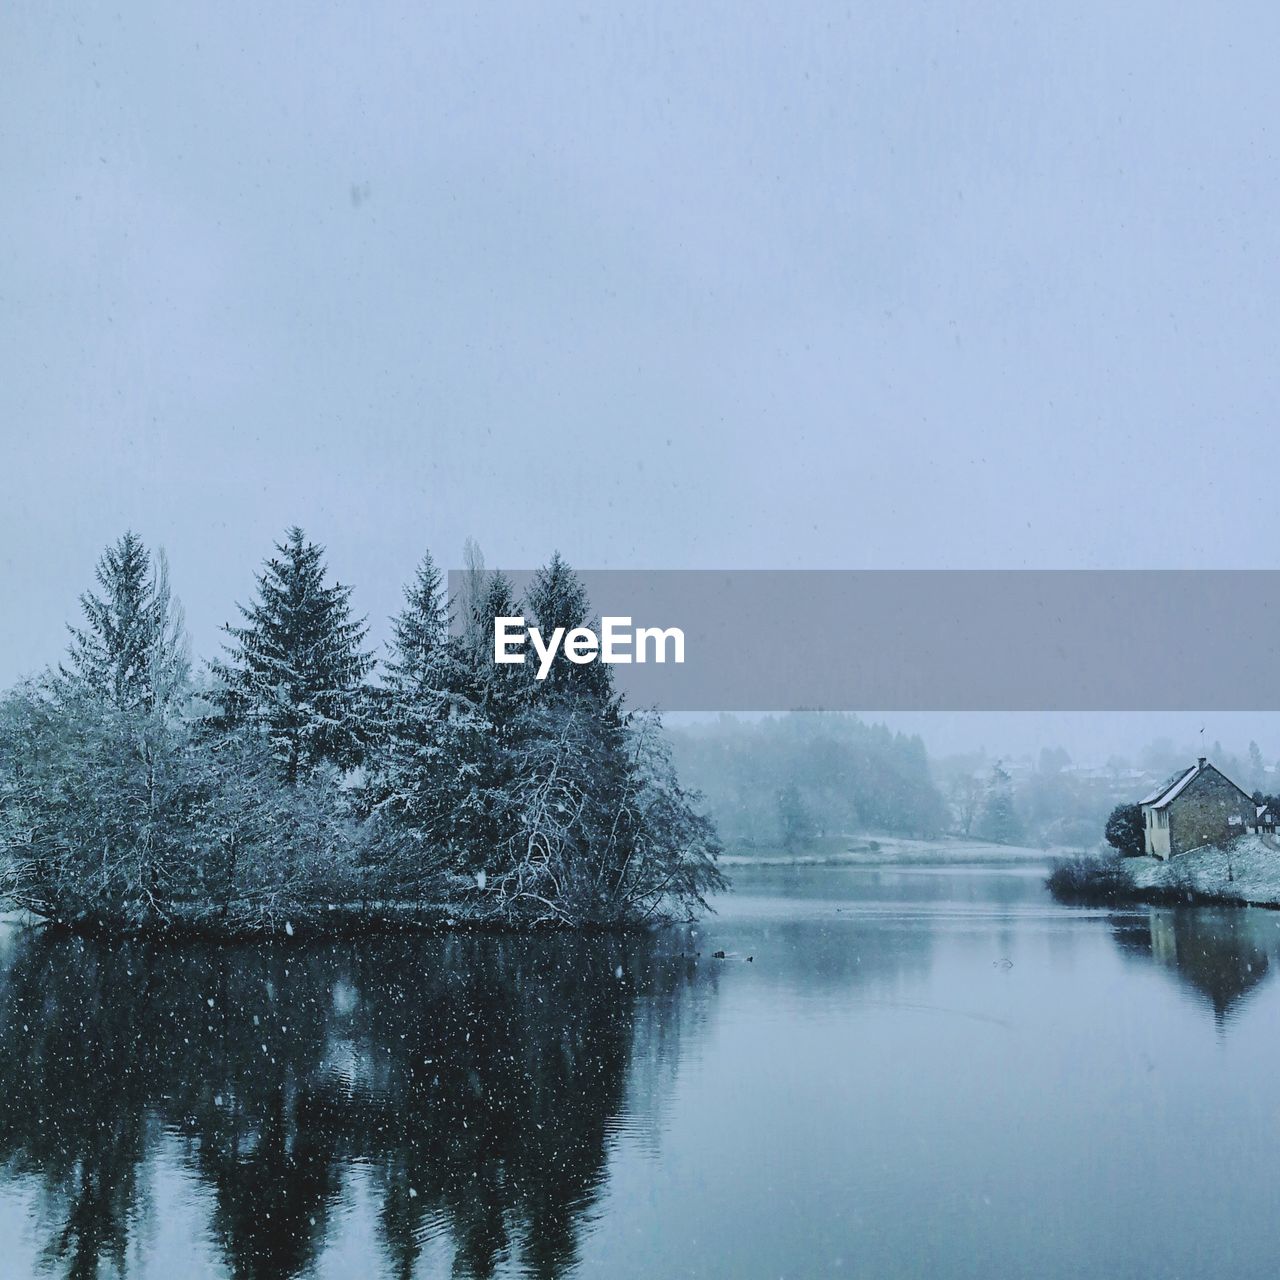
x=920 y=1073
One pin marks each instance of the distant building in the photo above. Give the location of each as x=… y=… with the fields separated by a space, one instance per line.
x=1264 y=821
x=1197 y=807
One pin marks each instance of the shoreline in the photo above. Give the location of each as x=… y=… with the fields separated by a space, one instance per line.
x=301 y=930
x=304 y=926
x=895 y=851
x=1245 y=872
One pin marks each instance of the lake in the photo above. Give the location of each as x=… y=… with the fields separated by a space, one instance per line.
x=925 y=1071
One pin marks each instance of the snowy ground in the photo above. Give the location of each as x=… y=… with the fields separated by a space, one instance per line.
x=1248 y=871
x=881 y=850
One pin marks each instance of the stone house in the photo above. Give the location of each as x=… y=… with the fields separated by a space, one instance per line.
x=1199 y=806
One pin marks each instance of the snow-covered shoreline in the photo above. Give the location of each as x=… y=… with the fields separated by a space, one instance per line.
x=1246 y=870
x=1243 y=872
x=892 y=851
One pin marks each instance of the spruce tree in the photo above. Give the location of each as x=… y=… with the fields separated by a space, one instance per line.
x=296 y=669
x=1001 y=822
x=420 y=631
x=415 y=779
x=795 y=825
x=498 y=693
x=557 y=598
x=1257 y=770
x=101 y=748
x=571 y=780
x=494 y=721
x=132 y=649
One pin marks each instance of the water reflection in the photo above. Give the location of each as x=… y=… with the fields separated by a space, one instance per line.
x=1221 y=953
x=476 y=1080
x=899 y=1037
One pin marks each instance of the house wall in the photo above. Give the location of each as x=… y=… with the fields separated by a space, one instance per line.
x=1155 y=831
x=1200 y=815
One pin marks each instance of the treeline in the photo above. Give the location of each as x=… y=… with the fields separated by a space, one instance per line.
x=294 y=782
x=787 y=781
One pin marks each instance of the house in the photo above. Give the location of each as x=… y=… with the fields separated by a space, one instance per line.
x=1264 y=821
x=1199 y=806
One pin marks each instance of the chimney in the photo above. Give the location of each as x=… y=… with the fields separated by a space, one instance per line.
x=1203 y=761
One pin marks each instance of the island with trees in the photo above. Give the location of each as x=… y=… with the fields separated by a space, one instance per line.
x=296 y=784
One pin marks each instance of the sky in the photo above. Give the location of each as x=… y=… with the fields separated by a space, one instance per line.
x=726 y=286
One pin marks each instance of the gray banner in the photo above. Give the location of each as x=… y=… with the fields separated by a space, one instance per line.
x=946 y=640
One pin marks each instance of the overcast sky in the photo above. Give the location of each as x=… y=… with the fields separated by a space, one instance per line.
x=927 y=285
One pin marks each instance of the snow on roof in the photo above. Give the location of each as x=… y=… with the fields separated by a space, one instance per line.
x=1165 y=795
x=1167 y=790
x=1178 y=787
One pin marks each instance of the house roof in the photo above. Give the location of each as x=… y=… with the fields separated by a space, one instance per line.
x=1163 y=796
x=1167 y=790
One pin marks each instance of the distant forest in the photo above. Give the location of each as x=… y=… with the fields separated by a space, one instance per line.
x=298 y=781
x=783 y=782
x=793 y=783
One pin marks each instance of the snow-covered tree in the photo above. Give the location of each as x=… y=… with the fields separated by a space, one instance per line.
x=430 y=739
x=795 y=824
x=296 y=668
x=420 y=631
x=596 y=828
x=500 y=693
x=1257 y=770
x=1125 y=831
x=966 y=793
x=94 y=757
x=122 y=806
x=95 y=792
x=263 y=854
x=1001 y=821
x=132 y=646
x=557 y=598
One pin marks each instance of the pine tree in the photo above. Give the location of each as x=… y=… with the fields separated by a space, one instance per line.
x=496 y=701
x=296 y=669
x=557 y=598
x=499 y=693
x=1000 y=820
x=569 y=780
x=794 y=823
x=420 y=631
x=452 y=714
x=421 y=770
x=1257 y=770
x=132 y=649
x=101 y=748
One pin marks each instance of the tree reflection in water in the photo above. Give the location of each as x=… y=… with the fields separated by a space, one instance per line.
x=1221 y=953
x=476 y=1076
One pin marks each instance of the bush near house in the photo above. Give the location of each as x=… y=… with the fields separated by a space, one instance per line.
x=1124 y=831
